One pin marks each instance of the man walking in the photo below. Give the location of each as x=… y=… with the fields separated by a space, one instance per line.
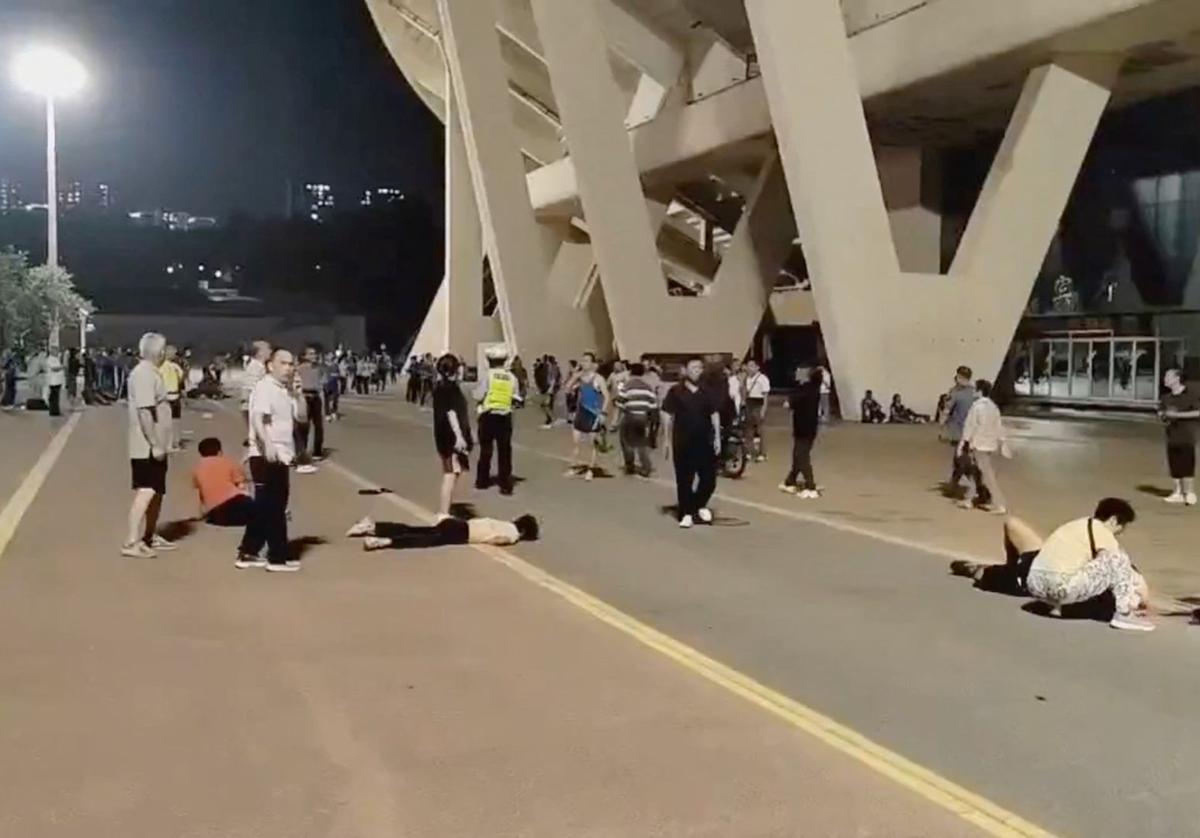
x=758 y=389
x=693 y=433
x=274 y=409
x=636 y=403
x=962 y=395
x=148 y=417
x=496 y=394
x=312 y=384
x=1180 y=411
x=591 y=409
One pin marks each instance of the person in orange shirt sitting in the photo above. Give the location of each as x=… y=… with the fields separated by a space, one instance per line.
x=221 y=484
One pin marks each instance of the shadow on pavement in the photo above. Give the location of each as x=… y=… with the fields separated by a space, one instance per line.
x=297 y=547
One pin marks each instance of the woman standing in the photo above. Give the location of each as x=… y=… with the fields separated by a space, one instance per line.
x=984 y=437
x=451 y=430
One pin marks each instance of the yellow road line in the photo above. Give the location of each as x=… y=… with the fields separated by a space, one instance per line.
x=22 y=499
x=987 y=816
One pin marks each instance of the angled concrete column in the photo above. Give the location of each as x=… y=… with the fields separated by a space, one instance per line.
x=886 y=330
x=593 y=117
x=479 y=82
x=622 y=228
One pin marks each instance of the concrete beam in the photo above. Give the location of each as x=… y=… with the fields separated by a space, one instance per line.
x=885 y=61
x=886 y=330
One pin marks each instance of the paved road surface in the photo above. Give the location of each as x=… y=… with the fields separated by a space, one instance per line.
x=443 y=695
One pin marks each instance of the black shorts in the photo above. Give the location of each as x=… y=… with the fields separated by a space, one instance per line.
x=587 y=422
x=176 y=408
x=1181 y=459
x=455 y=463
x=149 y=473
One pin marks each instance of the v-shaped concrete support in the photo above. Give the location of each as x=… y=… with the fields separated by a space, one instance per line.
x=886 y=330
x=644 y=318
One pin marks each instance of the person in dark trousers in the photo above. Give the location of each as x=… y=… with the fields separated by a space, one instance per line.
x=383 y=535
x=275 y=406
x=451 y=430
x=412 y=386
x=637 y=402
x=55 y=379
x=497 y=393
x=805 y=403
x=693 y=431
x=960 y=398
x=11 y=370
x=1180 y=412
x=312 y=385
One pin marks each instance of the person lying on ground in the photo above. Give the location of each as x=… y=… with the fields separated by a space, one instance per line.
x=1081 y=562
x=221 y=486
x=382 y=535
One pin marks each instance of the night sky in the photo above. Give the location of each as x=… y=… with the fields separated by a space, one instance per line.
x=212 y=105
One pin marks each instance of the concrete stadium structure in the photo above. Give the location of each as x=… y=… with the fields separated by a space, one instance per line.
x=653 y=176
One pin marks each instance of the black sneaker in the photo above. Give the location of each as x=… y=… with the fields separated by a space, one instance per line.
x=245 y=562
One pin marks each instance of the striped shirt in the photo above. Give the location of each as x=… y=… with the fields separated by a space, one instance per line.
x=637 y=398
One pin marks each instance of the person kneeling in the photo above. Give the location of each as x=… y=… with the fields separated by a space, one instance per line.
x=382 y=535
x=221 y=485
x=1081 y=562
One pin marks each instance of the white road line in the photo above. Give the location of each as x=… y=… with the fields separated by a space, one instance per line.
x=22 y=499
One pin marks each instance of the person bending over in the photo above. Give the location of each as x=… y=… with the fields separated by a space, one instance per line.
x=1080 y=562
x=221 y=485
x=383 y=535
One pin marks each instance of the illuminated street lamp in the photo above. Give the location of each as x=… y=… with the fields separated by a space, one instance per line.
x=51 y=74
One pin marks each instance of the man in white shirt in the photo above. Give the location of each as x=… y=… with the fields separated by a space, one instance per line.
x=55 y=379
x=758 y=388
x=253 y=372
x=382 y=535
x=148 y=416
x=274 y=409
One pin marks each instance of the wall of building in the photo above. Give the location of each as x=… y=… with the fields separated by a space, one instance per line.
x=208 y=335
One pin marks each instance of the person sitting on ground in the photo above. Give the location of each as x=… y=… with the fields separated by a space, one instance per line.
x=382 y=535
x=871 y=410
x=1080 y=563
x=901 y=415
x=221 y=485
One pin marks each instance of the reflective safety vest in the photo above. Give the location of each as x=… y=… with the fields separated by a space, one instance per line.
x=502 y=388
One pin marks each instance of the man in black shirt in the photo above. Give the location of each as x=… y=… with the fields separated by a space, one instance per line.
x=451 y=429
x=1180 y=411
x=693 y=432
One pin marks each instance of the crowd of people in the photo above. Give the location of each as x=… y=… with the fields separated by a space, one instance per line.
x=287 y=399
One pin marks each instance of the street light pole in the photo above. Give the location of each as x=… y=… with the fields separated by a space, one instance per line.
x=51 y=184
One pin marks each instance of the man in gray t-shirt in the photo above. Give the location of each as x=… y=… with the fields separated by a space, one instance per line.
x=962 y=396
x=148 y=416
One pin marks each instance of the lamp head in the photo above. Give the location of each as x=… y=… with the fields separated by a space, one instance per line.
x=48 y=72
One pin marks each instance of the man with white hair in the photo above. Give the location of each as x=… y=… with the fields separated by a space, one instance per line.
x=253 y=372
x=148 y=416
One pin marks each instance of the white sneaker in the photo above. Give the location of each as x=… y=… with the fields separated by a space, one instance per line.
x=363 y=528
x=160 y=543
x=705 y=515
x=1131 y=622
x=1175 y=498
x=590 y=474
x=306 y=469
x=1190 y=498
x=137 y=550
x=810 y=494
x=288 y=567
x=372 y=542
x=791 y=490
x=761 y=458
x=686 y=522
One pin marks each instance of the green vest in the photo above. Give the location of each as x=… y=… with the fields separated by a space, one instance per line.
x=501 y=387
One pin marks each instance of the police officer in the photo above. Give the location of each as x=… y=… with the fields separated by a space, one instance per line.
x=496 y=393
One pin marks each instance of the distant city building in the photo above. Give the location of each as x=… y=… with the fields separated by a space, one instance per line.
x=70 y=197
x=176 y=220
x=103 y=196
x=382 y=195
x=320 y=201
x=10 y=195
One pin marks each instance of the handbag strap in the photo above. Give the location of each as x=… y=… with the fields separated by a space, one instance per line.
x=1092 y=538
